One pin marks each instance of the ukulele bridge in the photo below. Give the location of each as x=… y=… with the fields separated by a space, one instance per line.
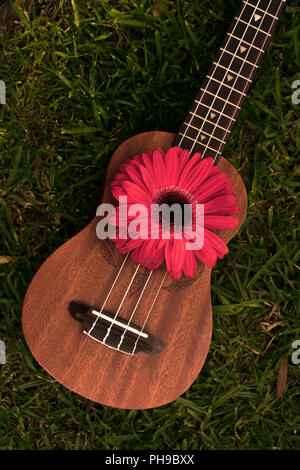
x=113 y=331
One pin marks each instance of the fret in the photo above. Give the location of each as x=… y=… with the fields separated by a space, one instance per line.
x=186 y=143
x=233 y=96
x=217 y=126
x=228 y=62
x=202 y=137
x=208 y=128
x=251 y=34
x=208 y=135
x=239 y=83
x=242 y=50
x=273 y=7
x=207 y=146
x=233 y=74
x=260 y=9
x=245 y=42
x=226 y=93
x=234 y=55
x=219 y=97
x=251 y=26
x=224 y=84
x=213 y=113
x=251 y=15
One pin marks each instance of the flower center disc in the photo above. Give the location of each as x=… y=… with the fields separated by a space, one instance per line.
x=179 y=209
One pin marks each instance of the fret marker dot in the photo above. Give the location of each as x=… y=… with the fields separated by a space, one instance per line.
x=212 y=115
x=243 y=49
x=257 y=17
x=202 y=137
x=229 y=77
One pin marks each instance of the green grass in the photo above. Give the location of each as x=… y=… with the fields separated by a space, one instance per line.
x=81 y=77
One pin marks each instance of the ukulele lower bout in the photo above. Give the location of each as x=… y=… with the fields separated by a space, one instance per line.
x=82 y=270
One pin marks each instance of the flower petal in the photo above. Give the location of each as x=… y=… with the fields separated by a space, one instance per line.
x=216 y=243
x=196 y=158
x=207 y=256
x=210 y=187
x=172 y=165
x=152 y=256
x=158 y=168
x=149 y=180
x=177 y=275
x=136 y=254
x=190 y=264
x=177 y=255
x=216 y=222
x=198 y=175
x=183 y=157
x=136 y=193
x=117 y=191
x=222 y=205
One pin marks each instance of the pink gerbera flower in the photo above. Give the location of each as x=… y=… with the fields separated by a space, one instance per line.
x=156 y=177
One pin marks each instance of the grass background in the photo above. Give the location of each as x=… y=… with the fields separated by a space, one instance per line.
x=81 y=77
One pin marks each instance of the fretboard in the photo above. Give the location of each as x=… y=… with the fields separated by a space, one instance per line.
x=211 y=118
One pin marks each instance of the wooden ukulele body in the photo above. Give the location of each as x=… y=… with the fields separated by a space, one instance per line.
x=83 y=270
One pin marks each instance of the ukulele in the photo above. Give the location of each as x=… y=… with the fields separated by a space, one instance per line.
x=82 y=299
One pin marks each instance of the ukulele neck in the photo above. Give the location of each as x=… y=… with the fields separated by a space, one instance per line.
x=211 y=118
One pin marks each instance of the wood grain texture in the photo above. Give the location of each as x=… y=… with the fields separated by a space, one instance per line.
x=82 y=270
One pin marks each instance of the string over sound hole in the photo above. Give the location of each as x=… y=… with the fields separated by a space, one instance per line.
x=114 y=332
